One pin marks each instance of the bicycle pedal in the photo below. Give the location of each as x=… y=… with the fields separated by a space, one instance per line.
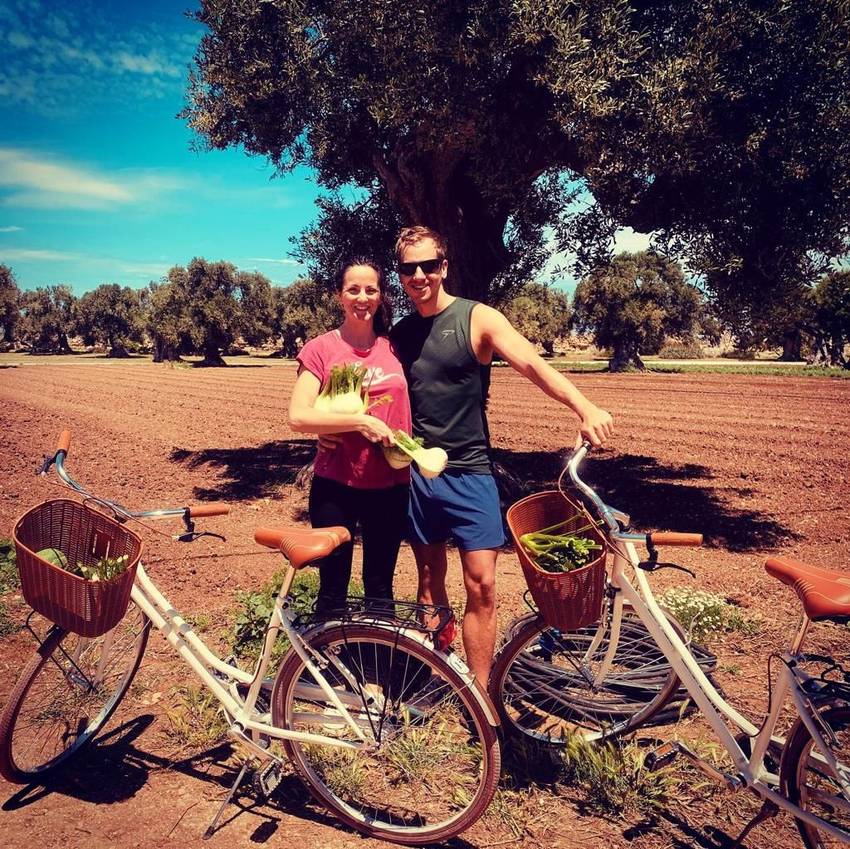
x=661 y=757
x=267 y=779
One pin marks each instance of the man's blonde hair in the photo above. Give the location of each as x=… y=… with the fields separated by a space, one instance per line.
x=413 y=235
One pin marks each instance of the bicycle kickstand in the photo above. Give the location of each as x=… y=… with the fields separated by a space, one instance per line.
x=768 y=809
x=228 y=799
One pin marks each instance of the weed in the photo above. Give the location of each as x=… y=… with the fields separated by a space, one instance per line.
x=7 y=624
x=613 y=777
x=8 y=566
x=200 y=622
x=341 y=769
x=196 y=721
x=702 y=613
x=256 y=606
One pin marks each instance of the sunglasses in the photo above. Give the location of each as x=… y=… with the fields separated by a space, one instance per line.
x=428 y=266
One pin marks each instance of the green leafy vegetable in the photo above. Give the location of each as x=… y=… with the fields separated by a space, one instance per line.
x=559 y=552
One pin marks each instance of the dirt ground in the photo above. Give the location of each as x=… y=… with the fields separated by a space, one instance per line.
x=759 y=464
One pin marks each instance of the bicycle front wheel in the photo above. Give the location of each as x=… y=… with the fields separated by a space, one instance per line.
x=808 y=780
x=66 y=694
x=544 y=684
x=430 y=765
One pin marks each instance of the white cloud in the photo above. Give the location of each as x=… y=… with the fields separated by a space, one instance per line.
x=33 y=180
x=272 y=261
x=628 y=241
x=30 y=254
x=11 y=229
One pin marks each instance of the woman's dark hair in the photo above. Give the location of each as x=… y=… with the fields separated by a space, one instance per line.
x=384 y=316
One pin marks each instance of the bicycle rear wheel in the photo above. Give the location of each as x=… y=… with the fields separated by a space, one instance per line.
x=542 y=681
x=433 y=763
x=66 y=694
x=807 y=779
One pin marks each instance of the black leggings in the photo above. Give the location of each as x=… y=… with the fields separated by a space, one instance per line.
x=382 y=517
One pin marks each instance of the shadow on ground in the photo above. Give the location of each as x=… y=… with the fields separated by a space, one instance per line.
x=115 y=769
x=245 y=474
x=656 y=496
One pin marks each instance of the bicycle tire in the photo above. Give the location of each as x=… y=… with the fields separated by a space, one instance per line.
x=435 y=762
x=542 y=690
x=59 y=705
x=805 y=782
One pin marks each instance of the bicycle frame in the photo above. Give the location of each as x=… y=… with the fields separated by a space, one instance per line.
x=205 y=663
x=752 y=771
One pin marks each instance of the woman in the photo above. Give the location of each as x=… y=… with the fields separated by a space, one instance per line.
x=354 y=484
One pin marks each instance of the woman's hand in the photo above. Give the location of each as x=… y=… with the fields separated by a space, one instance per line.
x=376 y=431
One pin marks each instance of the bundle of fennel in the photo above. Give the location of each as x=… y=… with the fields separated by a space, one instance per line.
x=431 y=461
x=344 y=391
x=554 y=552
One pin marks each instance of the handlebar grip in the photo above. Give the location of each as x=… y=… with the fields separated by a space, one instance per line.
x=675 y=538
x=64 y=441
x=216 y=508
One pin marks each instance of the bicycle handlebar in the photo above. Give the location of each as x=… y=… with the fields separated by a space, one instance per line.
x=189 y=512
x=610 y=515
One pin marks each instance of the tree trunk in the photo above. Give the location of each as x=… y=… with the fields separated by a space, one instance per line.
x=792 y=345
x=164 y=353
x=433 y=190
x=625 y=357
x=117 y=350
x=212 y=357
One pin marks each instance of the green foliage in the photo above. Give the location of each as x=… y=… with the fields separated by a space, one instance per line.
x=830 y=326
x=46 y=319
x=633 y=303
x=694 y=122
x=196 y=721
x=10 y=298
x=540 y=313
x=205 y=307
x=613 y=776
x=303 y=311
x=689 y=350
x=255 y=608
x=8 y=566
x=110 y=315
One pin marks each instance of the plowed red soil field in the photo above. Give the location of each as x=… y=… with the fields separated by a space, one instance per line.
x=758 y=464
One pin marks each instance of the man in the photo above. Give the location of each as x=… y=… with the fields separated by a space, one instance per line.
x=446 y=348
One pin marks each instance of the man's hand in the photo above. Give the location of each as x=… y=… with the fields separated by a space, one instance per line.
x=329 y=441
x=597 y=426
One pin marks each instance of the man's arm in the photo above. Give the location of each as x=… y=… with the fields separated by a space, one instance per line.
x=493 y=333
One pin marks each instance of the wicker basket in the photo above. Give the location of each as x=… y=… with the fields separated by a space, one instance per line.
x=567 y=600
x=88 y=608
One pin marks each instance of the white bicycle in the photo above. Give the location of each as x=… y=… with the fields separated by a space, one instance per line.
x=610 y=678
x=380 y=719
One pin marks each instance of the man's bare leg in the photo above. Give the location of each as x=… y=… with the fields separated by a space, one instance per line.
x=431 y=565
x=479 y=620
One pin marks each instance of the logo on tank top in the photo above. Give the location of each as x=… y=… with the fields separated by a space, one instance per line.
x=447 y=333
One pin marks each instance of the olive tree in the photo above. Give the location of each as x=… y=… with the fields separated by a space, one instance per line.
x=540 y=313
x=632 y=304
x=303 y=311
x=110 y=315
x=722 y=127
x=10 y=304
x=47 y=318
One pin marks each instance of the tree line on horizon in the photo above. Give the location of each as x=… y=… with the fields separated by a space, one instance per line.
x=631 y=305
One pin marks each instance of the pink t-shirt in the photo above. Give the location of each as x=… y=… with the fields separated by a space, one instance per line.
x=358 y=462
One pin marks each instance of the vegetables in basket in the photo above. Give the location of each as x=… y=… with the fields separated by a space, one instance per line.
x=344 y=391
x=431 y=461
x=553 y=552
x=55 y=556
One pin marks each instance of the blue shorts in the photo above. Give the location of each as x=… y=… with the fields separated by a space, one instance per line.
x=456 y=505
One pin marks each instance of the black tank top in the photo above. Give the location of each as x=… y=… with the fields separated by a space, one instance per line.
x=448 y=386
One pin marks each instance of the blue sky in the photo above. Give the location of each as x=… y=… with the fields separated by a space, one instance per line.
x=98 y=183
x=97 y=180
